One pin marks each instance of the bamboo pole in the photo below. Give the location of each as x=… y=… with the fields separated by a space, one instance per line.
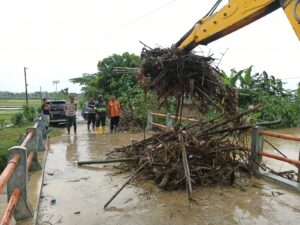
x=132 y=178
x=103 y=161
x=186 y=169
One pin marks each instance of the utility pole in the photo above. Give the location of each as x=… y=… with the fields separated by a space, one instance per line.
x=41 y=94
x=26 y=94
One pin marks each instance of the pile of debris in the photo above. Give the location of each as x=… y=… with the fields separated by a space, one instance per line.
x=200 y=154
x=130 y=121
x=173 y=72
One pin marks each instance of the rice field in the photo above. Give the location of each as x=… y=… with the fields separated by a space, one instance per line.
x=20 y=102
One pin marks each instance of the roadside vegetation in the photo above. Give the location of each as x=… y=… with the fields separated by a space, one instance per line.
x=9 y=137
x=8 y=116
x=17 y=122
x=252 y=89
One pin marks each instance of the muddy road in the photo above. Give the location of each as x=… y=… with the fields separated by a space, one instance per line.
x=76 y=195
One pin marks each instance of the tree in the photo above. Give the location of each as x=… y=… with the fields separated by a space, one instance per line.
x=106 y=81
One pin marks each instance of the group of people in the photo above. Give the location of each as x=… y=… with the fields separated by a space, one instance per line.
x=98 y=111
x=70 y=112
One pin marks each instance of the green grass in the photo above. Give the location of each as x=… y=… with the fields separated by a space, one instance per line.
x=7 y=115
x=20 y=102
x=10 y=137
x=5 y=119
x=9 y=112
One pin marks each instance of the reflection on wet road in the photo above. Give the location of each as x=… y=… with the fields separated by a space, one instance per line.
x=76 y=195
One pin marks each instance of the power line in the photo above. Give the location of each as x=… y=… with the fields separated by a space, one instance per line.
x=139 y=18
x=291 y=78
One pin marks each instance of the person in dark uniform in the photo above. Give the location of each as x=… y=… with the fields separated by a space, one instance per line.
x=100 y=109
x=91 y=113
x=46 y=112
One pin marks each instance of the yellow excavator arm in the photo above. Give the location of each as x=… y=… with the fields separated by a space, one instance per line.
x=235 y=15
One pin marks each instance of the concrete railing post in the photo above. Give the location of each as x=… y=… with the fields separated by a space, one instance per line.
x=149 y=119
x=41 y=128
x=169 y=121
x=257 y=143
x=41 y=133
x=19 y=179
x=34 y=145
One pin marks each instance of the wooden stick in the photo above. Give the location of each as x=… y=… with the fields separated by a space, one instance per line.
x=225 y=121
x=244 y=127
x=104 y=161
x=186 y=169
x=132 y=178
x=209 y=99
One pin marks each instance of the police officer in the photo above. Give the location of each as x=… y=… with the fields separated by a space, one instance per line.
x=91 y=113
x=100 y=109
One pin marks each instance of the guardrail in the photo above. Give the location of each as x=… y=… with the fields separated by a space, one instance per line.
x=257 y=153
x=15 y=175
x=169 y=120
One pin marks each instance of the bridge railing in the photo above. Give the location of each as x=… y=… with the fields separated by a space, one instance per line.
x=169 y=123
x=15 y=175
x=257 y=152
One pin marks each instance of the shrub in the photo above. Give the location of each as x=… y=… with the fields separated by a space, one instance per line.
x=18 y=119
x=29 y=113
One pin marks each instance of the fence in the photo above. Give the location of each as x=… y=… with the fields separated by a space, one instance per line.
x=257 y=142
x=15 y=175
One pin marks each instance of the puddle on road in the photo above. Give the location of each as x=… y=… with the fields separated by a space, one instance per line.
x=76 y=195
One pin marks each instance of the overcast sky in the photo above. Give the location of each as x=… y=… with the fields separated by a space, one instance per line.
x=62 y=39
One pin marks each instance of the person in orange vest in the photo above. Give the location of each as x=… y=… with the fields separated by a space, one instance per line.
x=114 y=108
